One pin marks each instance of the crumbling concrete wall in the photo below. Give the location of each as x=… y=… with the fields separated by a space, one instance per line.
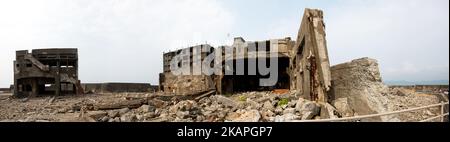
x=309 y=65
x=190 y=60
x=118 y=87
x=187 y=84
x=357 y=89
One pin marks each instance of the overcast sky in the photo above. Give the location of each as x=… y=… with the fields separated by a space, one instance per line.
x=123 y=40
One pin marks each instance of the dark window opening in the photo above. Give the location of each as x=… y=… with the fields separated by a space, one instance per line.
x=301 y=46
x=268 y=46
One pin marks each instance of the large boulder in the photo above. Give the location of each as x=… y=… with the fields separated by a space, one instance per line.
x=360 y=81
x=327 y=111
x=310 y=110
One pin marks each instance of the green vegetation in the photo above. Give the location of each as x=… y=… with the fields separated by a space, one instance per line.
x=283 y=102
x=242 y=98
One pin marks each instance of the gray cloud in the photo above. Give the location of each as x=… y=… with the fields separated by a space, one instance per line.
x=117 y=40
x=123 y=40
x=408 y=37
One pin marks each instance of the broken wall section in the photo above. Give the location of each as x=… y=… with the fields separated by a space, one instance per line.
x=187 y=84
x=309 y=64
x=357 y=89
x=118 y=87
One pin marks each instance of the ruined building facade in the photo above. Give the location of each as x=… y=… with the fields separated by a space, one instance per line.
x=309 y=63
x=303 y=65
x=186 y=84
x=46 y=72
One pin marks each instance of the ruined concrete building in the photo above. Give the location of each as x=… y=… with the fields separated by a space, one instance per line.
x=309 y=65
x=223 y=83
x=303 y=65
x=250 y=80
x=185 y=84
x=46 y=71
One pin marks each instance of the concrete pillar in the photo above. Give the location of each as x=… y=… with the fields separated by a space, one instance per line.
x=34 y=87
x=57 y=80
x=16 y=90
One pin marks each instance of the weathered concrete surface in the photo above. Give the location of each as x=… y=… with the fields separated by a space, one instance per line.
x=118 y=87
x=360 y=82
x=309 y=65
x=46 y=71
x=187 y=84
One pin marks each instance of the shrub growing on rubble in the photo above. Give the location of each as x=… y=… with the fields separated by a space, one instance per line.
x=283 y=102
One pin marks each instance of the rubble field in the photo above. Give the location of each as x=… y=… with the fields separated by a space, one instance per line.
x=273 y=106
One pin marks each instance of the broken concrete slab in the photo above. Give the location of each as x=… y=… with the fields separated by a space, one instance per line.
x=247 y=116
x=342 y=106
x=96 y=115
x=285 y=118
x=360 y=81
x=309 y=110
x=327 y=111
x=226 y=101
x=146 y=108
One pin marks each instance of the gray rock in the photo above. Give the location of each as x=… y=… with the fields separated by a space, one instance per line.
x=360 y=81
x=327 y=111
x=308 y=115
x=183 y=106
x=7 y=120
x=157 y=103
x=128 y=118
x=117 y=119
x=299 y=104
x=286 y=117
x=253 y=104
x=266 y=115
x=113 y=113
x=248 y=116
x=105 y=119
x=309 y=110
x=149 y=115
x=147 y=108
x=78 y=119
x=62 y=110
x=51 y=100
x=292 y=104
x=400 y=92
x=226 y=101
x=343 y=107
x=123 y=111
x=268 y=106
x=182 y=114
x=96 y=115
x=278 y=110
x=289 y=110
x=139 y=117
x=200 y=118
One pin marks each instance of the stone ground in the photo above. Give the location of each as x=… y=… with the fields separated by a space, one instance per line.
x=243 y=107
x=404 y=99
